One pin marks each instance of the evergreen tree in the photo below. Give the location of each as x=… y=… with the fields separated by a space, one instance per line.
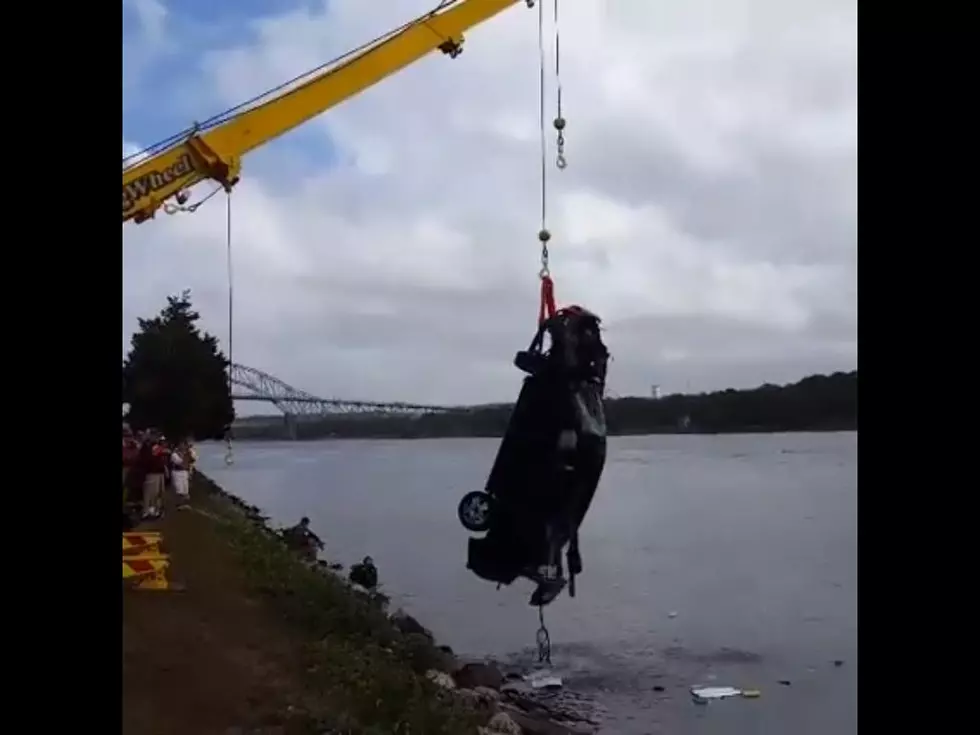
x=175 y=378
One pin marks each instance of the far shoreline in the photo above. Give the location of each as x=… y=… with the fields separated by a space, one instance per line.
x=818 y=403
x=749 y=431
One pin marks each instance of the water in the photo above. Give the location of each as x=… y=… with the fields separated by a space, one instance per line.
x=719 y=560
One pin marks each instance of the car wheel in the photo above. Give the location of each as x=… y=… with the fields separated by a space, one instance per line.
x=475 y=510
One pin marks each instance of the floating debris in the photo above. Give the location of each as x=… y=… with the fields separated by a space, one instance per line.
x=715 y=692
x=543 y=680
x=703 y=694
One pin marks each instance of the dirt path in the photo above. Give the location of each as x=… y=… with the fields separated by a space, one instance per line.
x=204 y=660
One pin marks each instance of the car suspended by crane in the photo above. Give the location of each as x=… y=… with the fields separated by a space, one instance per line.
x=553 y=453
x=214 y=149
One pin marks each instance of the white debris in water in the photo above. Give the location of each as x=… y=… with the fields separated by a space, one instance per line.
x=543 y=680
x=715 y=692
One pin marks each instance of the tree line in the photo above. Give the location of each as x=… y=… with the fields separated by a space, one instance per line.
x=816 y=403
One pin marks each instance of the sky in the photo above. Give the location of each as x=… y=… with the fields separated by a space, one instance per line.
x=387 y=250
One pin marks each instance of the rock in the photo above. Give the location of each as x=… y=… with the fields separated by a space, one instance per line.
x=406 y=624
x=437 y=658
x=541 y=725
x=421 y=655
x=521 y=695
x=488 y=693
x=372 y=597
x=561 y=706
x=480 y=699
x=502 y=723
x=440 y=678
x=473 y=675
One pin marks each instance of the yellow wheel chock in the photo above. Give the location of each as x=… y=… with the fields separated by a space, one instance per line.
x=144 y=567
x=147 y=542
x=147 y=572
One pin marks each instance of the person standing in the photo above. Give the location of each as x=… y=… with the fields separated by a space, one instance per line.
x=130 y=453
x=166 y=447
x=180 y=476
x=190 y=458
x=154 y=456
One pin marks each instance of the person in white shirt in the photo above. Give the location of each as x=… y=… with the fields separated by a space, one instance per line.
x=180 y=461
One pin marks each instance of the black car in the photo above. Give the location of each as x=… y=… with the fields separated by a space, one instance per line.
x=549 y=462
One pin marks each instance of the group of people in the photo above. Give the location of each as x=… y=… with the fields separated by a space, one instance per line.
x=151 y=463
x=303 y=541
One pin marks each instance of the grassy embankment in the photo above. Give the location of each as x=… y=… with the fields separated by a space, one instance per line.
x=260 y=642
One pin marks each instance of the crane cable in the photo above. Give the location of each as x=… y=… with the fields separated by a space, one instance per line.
x=547 y=306
x=560 y=161
x=229 y=454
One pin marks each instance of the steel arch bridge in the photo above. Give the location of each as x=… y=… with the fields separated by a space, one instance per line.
x=260 y=386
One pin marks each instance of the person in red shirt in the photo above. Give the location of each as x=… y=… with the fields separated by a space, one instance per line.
x=130 y=451
x=154 y=456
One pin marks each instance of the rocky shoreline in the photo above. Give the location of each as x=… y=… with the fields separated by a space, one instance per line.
x=513 y=703
x=505 y=700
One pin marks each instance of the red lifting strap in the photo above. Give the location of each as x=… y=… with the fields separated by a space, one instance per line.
x=547 y=308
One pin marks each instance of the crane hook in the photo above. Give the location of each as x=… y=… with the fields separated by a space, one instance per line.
x=561 y=161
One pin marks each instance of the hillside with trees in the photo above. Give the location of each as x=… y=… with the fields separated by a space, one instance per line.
x=816 y=403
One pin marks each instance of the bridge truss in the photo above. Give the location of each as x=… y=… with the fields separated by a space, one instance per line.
x=260 y=386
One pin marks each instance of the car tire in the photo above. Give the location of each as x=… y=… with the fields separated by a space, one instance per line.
x=475 y=511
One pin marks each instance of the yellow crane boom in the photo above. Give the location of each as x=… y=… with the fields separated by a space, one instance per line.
x=216 y=153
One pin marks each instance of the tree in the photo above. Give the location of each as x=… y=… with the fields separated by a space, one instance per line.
x=175 y=378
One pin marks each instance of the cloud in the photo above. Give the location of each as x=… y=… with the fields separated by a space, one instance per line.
x=132 y=153
x=152 y=18
x=147 y=23
x=389 y=248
